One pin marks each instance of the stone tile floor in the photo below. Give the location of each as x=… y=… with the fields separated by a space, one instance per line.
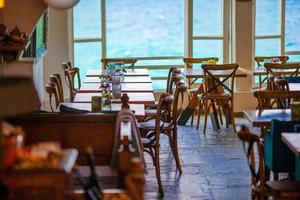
x=214 y=167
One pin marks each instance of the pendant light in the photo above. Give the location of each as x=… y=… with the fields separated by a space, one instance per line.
x=61 y=4
x=2 y=4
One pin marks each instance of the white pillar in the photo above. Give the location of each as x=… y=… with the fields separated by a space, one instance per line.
x=244 y=52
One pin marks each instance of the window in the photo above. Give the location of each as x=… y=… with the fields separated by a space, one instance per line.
x=208 y=29
x=277 y=28
x=268 y=29
x=151 y=31
x=87 y=37
x=292 y=29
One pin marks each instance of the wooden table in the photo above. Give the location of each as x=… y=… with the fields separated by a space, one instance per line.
x=138 y=109
x=294 y=86
x=198 y=73
x=261 y=71
x=263 y=118
x=134 y=98
x=129 y=72
x=127 y=79
x=126 y=87
x=292 y=140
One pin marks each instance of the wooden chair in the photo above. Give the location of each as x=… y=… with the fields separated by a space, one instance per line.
x=188 y=64
x=261 y=59
x=173 y=76
x=165 y=122
x=216 y=91
x=275 y=99
x=129 y=62
x=260 y=189
x=56 y=79
x=52 y=90
x=70 y=76
x=274 y=69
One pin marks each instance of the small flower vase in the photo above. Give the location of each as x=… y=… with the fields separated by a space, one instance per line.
x=106 y=104
x=106 y=100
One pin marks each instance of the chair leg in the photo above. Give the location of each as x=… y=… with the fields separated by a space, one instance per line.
x=206 y=111
x=220 y=114
x=199 y=114
x=175 y=151
x=193 y=115
x=227 y=115
x=232 y=117
x=157 y=170
x=192 y=118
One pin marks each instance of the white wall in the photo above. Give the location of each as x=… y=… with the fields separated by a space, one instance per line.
x=58 y=48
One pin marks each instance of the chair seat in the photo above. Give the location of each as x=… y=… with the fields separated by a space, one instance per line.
x=150 y=125
x=284 y=186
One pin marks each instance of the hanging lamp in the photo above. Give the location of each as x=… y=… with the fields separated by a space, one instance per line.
x=61 y=4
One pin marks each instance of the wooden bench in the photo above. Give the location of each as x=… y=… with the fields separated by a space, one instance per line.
x=72 y=131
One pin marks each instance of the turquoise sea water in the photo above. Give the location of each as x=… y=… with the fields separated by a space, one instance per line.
x=140 y=28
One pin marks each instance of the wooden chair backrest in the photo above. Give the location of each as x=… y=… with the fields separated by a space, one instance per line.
x=66 y=65
x=261 y=59
x=130 y=62
x=213 y=84
x=275 y=99
x=56 y=79
x=70 y=76
x=172 y=72
x=273 y=67
x=164 y=110
x=252 y=141
x=181 y=88
x=52 y=90
x=175 y=78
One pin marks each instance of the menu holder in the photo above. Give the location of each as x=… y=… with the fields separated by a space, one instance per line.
x=96 y=103
x=295 y=110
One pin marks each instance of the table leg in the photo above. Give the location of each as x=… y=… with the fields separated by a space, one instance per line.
x=297 y=168
x=259 y=80
x=214 y=117
x=225 y=110
x=189 y=110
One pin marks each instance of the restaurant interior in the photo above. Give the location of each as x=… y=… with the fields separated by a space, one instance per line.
x=156 y=99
